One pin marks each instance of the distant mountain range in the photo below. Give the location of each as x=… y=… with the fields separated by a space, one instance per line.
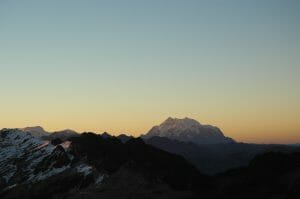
x=205 y=146
x=178 y=159
x=95 y=166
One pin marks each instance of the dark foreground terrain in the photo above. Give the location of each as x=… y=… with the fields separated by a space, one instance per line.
x=91 y=166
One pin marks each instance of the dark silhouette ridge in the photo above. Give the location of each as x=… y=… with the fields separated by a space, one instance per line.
x=110 y=154
x=270 y=175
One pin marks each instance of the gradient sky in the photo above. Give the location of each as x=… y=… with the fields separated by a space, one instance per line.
x=124 y=66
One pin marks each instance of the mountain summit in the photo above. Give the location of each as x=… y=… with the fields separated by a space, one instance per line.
x=36 y=131
x=188 y=130
x=39 y=132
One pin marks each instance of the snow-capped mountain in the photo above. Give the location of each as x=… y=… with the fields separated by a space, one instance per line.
x=26 y=160
x=188 y=130
x=36 y=131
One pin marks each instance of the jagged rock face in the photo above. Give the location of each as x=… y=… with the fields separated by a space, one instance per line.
x=20 y=154
x=188 y=130
x=27 y=161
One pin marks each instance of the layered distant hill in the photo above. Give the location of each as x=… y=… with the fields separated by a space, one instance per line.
x=188 y=130
x=216 y=158
x=205 y=146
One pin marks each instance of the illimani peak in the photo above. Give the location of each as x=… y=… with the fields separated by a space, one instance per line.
x=189 y=130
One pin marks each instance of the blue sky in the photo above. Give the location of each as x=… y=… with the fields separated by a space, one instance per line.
x=231 y=63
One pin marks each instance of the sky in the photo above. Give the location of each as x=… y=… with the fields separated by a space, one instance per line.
x=125 y=66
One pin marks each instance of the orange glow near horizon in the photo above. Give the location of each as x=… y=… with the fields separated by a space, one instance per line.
x=125 y=67
x=284 y=132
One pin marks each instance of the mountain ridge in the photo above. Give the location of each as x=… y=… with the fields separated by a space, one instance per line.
x=104 y=166
x=34 y=168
